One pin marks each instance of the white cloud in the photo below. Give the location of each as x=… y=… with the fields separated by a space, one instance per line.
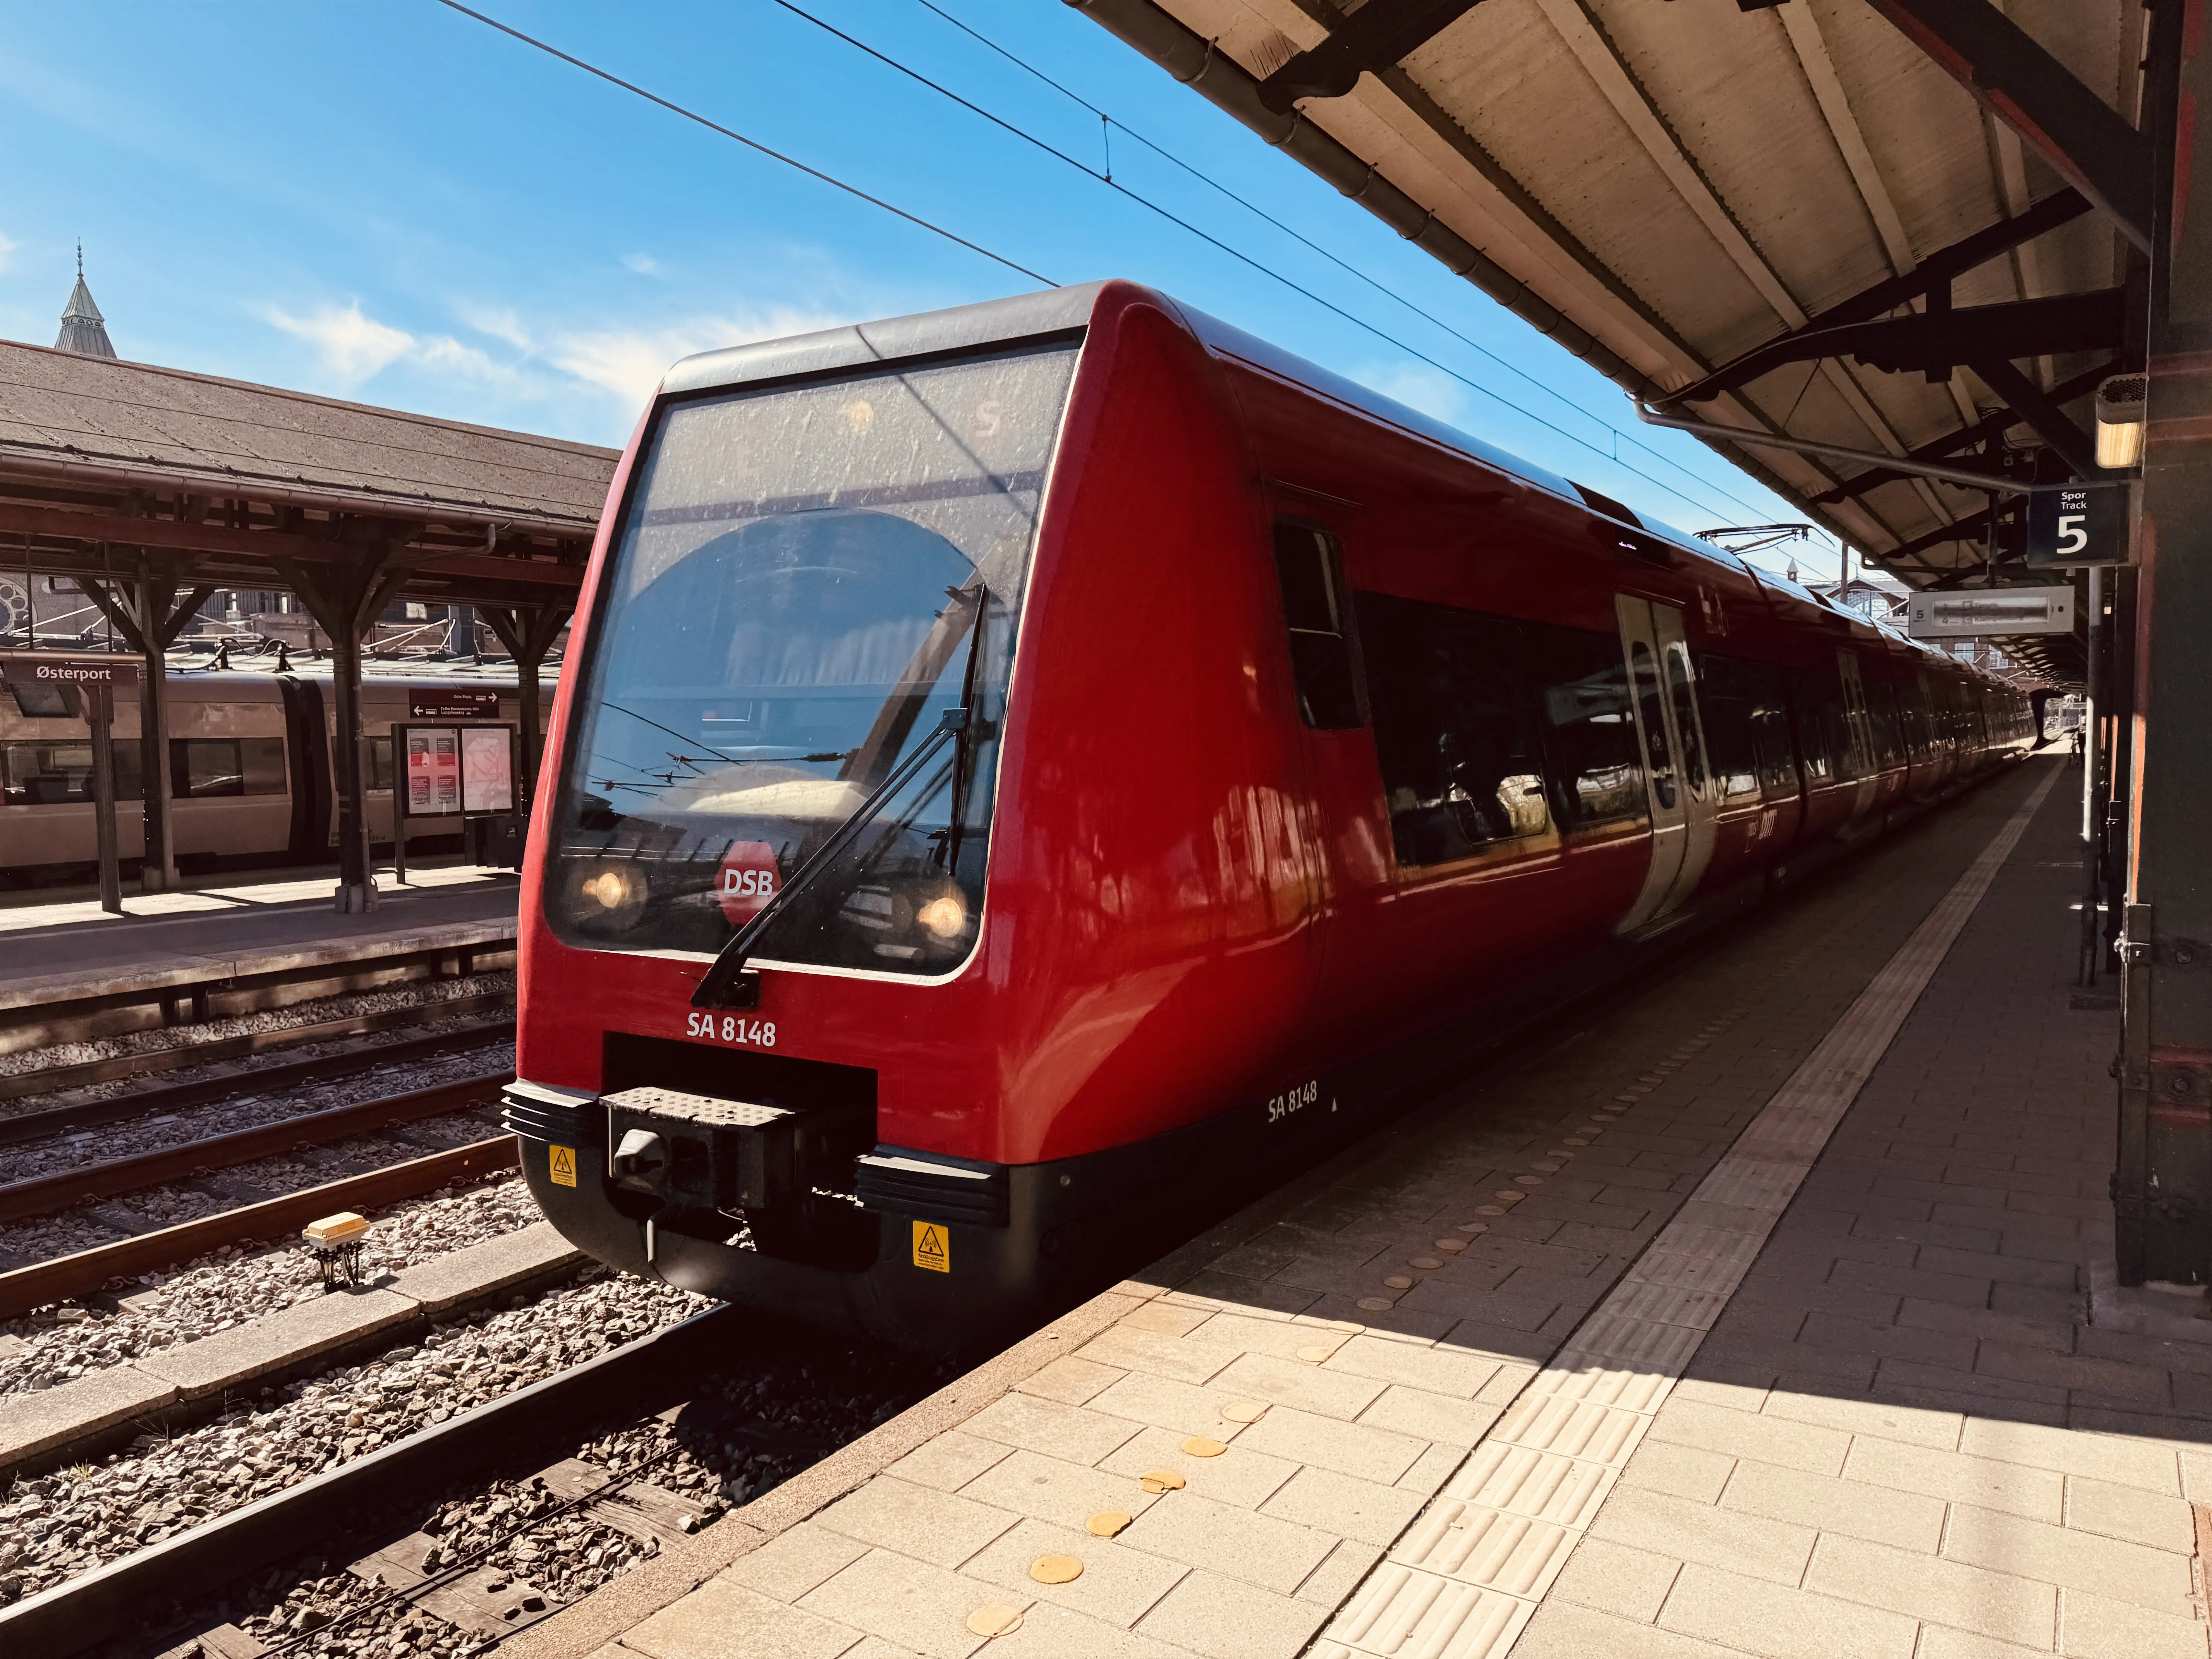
x=353 y=347
x=7 y=247
x=1417 y=386
x=630 y=362
x=643 y=263
x=356 y=347
x=498 y=321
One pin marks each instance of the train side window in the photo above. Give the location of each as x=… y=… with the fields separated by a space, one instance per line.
x=1584 y=683
x=1825 y=739
x=1455 y=735
x=1311 y=573
x=1726 y=697
x=1681 y=692
x=1888 y=729
x=380 y=763
x=1776 y=750
x=203 y=768
x=60 y=774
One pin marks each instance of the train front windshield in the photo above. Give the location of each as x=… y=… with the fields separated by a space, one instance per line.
x=804 y=578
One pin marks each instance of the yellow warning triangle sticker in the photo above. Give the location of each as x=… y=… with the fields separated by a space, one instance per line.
x=562 y=1166
x=931 y=1249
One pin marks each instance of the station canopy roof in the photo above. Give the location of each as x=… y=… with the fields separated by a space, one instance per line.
x=1696 y=196
x=106 y=466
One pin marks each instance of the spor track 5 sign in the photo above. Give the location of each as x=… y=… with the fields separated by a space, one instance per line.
x=2077 y=526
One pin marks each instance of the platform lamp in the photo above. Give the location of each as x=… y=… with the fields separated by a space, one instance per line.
x=2120 y=402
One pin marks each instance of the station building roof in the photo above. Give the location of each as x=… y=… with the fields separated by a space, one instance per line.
x=1696 y=196
x=222 y=479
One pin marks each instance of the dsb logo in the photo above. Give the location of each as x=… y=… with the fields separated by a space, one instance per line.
x=748 y=880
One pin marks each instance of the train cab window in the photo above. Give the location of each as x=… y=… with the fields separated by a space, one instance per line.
x=1659 y=757
x=45 y=702
x=1454 y=732
x=1584 y=683
x=1728 y=697
x=202 y=769
x=1311 y=573
x=60 y=774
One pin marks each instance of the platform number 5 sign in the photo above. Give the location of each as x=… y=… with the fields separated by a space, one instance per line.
x=2074 y=527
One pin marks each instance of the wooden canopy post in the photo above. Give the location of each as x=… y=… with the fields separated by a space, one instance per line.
x=528 y=631
x=148 y=616
x=345 y=600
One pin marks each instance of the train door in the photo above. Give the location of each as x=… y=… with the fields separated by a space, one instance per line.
x=1680 y=792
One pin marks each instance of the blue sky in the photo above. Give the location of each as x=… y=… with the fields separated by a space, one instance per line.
x=393 y=203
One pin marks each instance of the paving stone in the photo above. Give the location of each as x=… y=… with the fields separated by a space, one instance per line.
x=1990 y=1483
x=1904 y=1519
x=1347 y=1448
x=1196 y=1531
x=790 y=1565
x=723 y=1620
x=1049 y=1489
x=2093 y=1628
x=949 y=1460
x=1764 y=1548
x=1225 y=1617
x=1617 y=1578
x=1242 y=1476
x=908 y=1603
x=1080 y=1433
x=1683 y=1470
x=2101 y=1457
x=1788 y=1623
x=1561 y=1630
x=1339 y=1573
x=939 y=1527
x=2131 y=1513
x=2066 y=1556
x=1120 y=1349
x=1071 y=1379
x=1118 y=1585
x=1745 y=1434
x=1165 y=1403
x=1431 y=1417
x=1052 y=1633
x=2003 y=1605
x=1884 y=1420
x=1293 y=1383
x=1344 y=1505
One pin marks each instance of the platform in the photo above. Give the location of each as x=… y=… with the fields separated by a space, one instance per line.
x=1754 y=1318
x=71 y=952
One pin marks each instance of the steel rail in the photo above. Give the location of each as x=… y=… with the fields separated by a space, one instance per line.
x=174 y=1097
x=631 y=1381
x=54 y=1079
x=68 y=1277
x=46 y=1194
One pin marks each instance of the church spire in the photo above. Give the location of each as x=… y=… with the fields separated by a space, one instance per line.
x=84 y=331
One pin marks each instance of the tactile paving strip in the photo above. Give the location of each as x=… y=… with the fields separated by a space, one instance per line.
x=1453 y=1586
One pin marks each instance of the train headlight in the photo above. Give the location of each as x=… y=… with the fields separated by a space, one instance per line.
x=943 y=917
x=609 y=896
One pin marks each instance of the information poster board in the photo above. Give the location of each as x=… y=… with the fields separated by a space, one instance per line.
x=487 y=768
x=432 y=763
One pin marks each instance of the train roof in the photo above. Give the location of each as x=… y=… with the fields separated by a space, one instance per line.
x=1059 y=312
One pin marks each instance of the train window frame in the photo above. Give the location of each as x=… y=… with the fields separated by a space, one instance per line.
x=1319 y=626
x=54 y=702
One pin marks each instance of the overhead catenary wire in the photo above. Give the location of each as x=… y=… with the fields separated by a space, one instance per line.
x=750 y=144
x=1300 y=237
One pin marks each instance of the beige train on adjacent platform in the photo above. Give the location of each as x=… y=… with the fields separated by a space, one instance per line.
x=249 y=761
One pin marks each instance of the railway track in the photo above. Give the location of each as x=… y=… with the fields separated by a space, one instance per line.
x=470 y=1527
x=54 y=1079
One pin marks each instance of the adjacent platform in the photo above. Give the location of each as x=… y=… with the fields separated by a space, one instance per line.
x=69 y=970
x=1754 y=1318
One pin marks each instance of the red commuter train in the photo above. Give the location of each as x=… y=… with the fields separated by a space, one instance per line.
x=1033 y=772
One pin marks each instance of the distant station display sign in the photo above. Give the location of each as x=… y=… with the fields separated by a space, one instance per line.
x=2070 y=527
x=1990 y=611
x=453 y=703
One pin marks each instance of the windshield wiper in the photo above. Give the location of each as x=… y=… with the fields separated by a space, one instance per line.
x=714 y=989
